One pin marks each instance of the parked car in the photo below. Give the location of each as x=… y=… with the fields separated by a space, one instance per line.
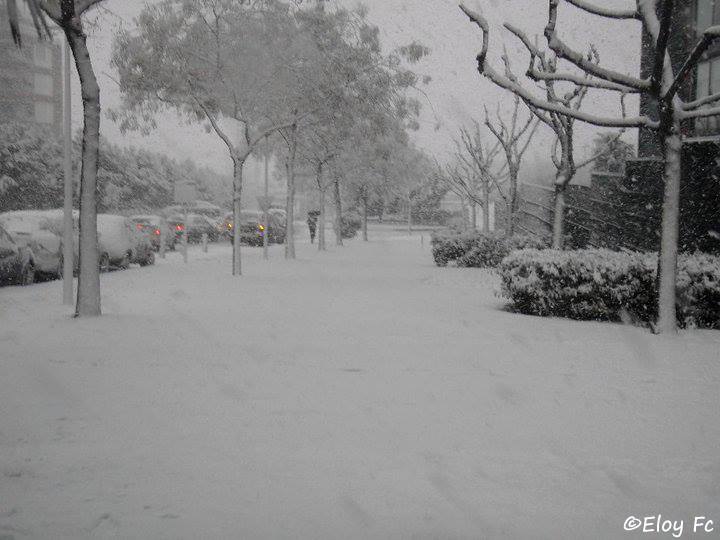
x=155 y=228
x=197 y=225
x=17 y=265
x=32 y=229
x=177 y=225
x=120 y=243
x=252 y=228
x=143 y=251
x=56 y=223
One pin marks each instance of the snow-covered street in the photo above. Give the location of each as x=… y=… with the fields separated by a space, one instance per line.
x=358 y=393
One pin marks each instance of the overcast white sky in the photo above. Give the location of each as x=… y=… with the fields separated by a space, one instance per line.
x=456 y=94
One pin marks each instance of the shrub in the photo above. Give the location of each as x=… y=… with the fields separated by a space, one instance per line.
x=599 y=284
x=698 y=290
x=350 y=225
x=477 y=250
x=449 y=246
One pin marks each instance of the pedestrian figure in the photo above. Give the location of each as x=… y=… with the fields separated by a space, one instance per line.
x=312 y=220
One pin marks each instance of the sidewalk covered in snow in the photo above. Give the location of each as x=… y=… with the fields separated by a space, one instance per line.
x=358 y=393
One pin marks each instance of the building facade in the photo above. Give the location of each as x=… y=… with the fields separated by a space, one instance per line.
x=692 y=17
x=30 y=77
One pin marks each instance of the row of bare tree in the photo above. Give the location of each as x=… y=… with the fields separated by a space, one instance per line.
x=565 y=77
x=310 y=82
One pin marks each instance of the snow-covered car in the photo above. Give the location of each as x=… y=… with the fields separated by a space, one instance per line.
x=197 y=225
x=177 y=226
x=143 y=250
x=155 y=228
x=17 y=266
x=252 y=229
x=33 y=229
x=121 y=244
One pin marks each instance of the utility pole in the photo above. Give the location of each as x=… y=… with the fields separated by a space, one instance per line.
x=266 y=214
x=68 y=229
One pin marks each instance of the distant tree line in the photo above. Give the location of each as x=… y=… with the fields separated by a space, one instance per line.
x=129 y=178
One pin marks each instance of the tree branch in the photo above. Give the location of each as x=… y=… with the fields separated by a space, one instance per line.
x=563 y=51
x=661 y=58
x=604 y=12
x=709 y=35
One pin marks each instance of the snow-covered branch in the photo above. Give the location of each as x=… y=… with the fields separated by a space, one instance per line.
x=603 y=11
x=512 y=85
x=564 y=51
x=707 y=100
x=709 y=36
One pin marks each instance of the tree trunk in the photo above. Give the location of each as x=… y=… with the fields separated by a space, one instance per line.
x=464 y=210
x=486 y=209
x=667 y=258
x=558 y=234
x=409 y=215
x=290 y=203
x=511 y=204
x=321 y=222
x=68 y=222
x=237 y=205
x=266 y=213
x=321 y=203
x=473 y=214
x=365 y=217
x=338 y=213
x=88 y=293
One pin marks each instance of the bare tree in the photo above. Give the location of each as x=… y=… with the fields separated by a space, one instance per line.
x=67 y=15
x=216 y=64
x=514 y=138
x=542 y=70
x=661 y=88
x=472 y=176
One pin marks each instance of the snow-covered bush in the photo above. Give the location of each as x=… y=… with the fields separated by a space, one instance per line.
x=449 y=246
x=351 y=223
x=477 y=250
x=600 y=284
x=698 y=290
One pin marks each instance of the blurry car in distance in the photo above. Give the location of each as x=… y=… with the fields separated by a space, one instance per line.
x=155 y=228
x=252 y=229
x=197 y=225
x=177 y=226
x=17 y=266
x=120 y=243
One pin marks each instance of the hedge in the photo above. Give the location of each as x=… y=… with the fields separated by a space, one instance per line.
x=599 y=284
x=350 y=224
x=477 y=250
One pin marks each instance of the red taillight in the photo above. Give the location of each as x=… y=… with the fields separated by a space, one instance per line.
x=139 y=226
x=157 y=232
x=179 y=227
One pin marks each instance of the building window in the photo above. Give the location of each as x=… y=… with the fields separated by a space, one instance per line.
x=44 y=112
x=707 y=14
x=43 y=84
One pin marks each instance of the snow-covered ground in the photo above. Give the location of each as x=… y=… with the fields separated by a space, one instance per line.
x=358 y=393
